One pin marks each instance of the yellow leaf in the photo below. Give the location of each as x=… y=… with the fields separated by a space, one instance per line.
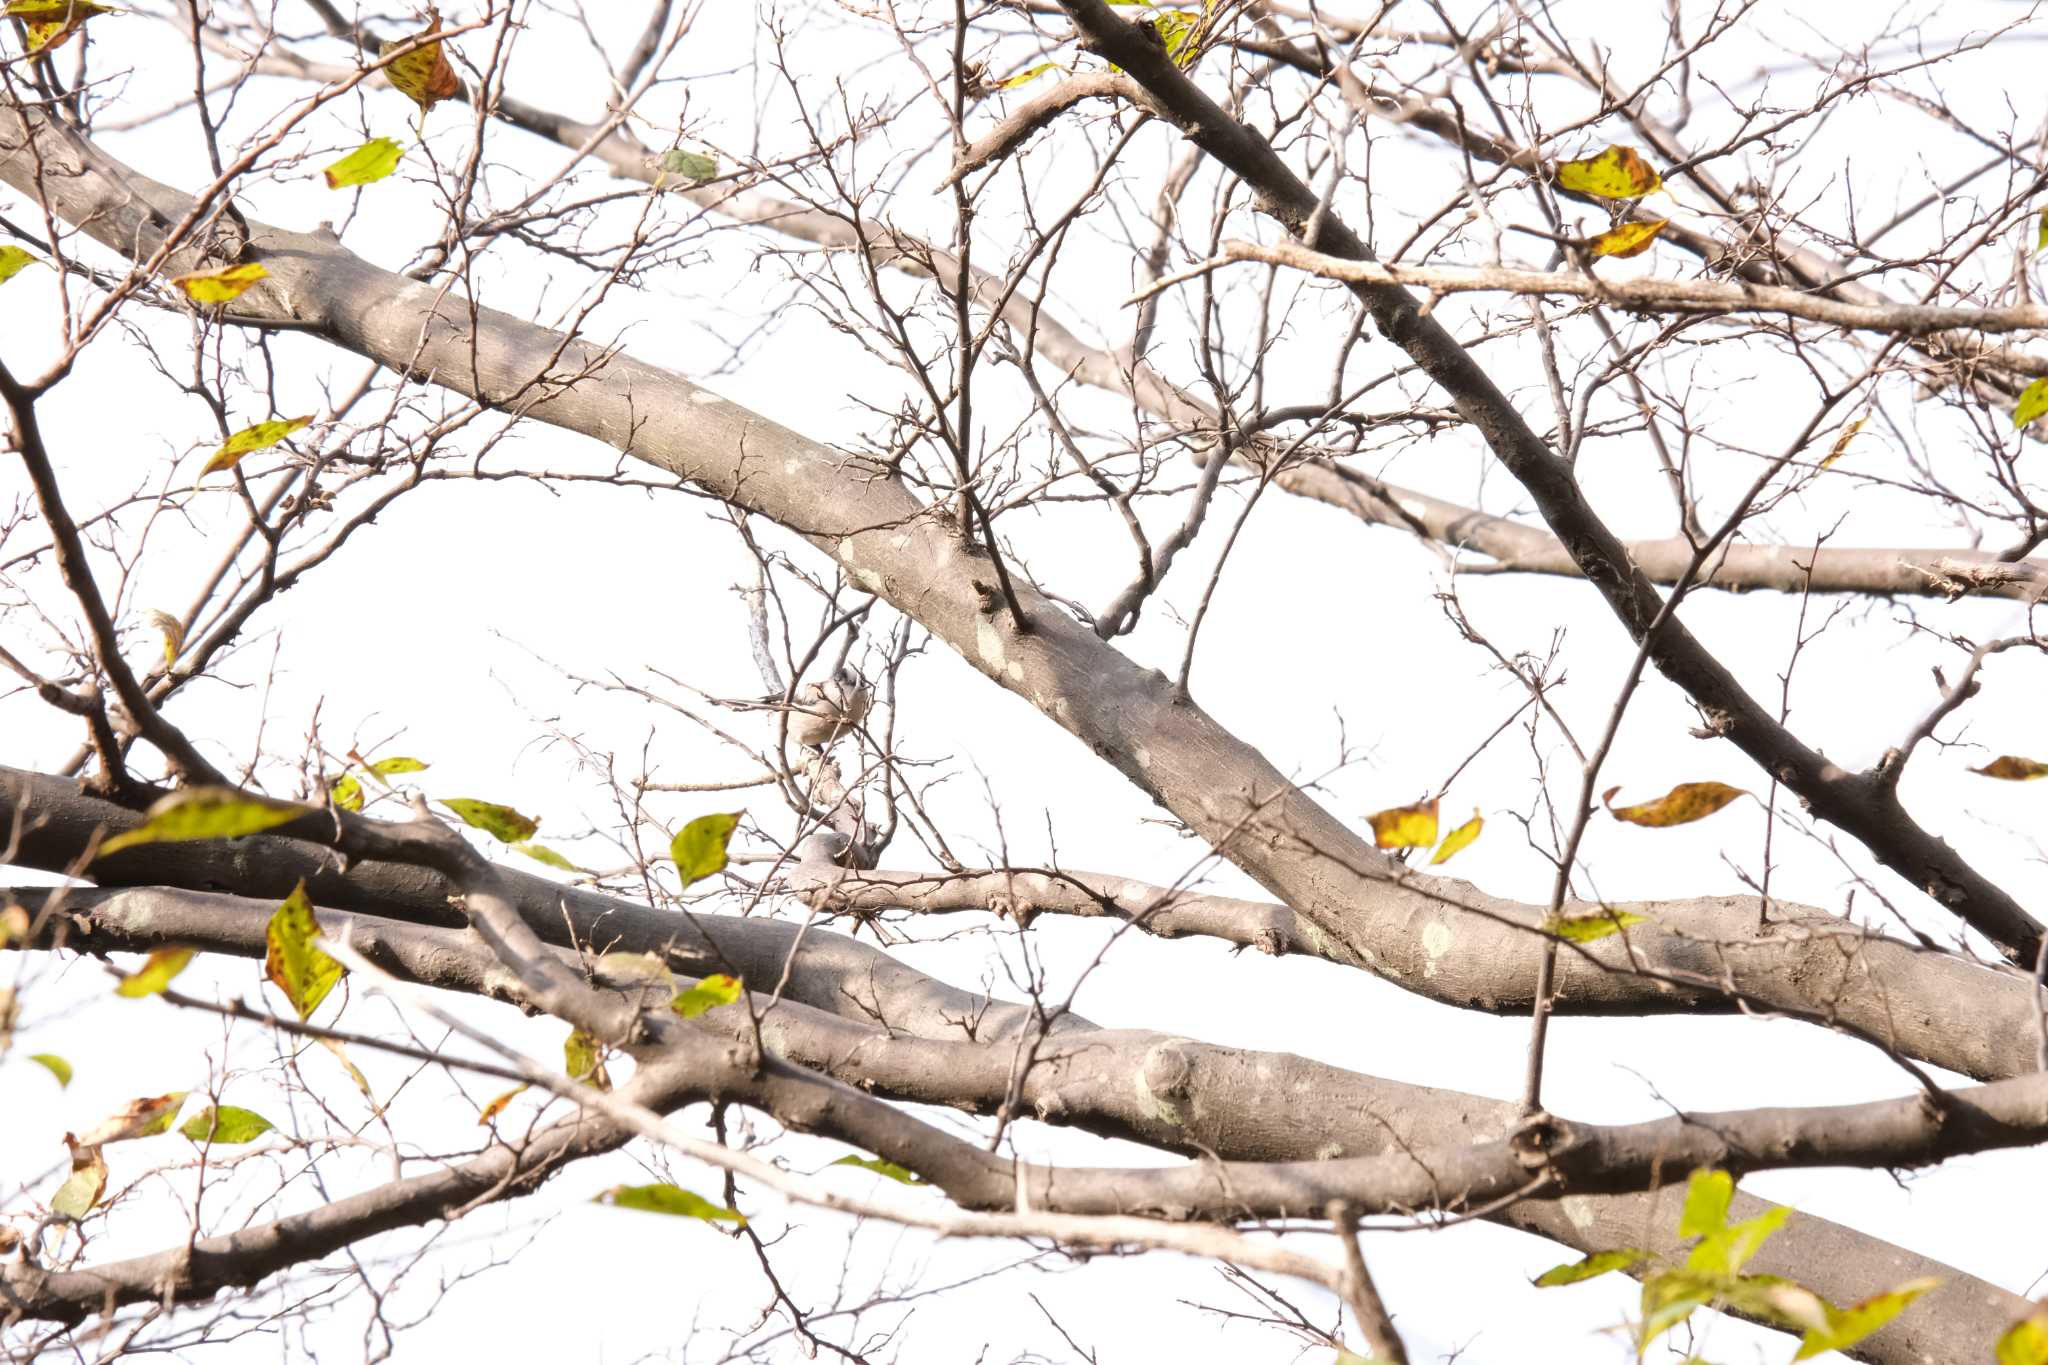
x=261 y=436
x=205 y=813
x=333 y=1045
x=300 y=970
x=1683 y=804
x=1629 y=239
x=2026 y=1341
x=699 y=848
x=1617 y=173
x=423 y=74
x=1458 y=839
x=497 y=1106
x=2011 y=768
x=1028 y=75
x=1841 y=446
x=219 y=286
x=500 y=822
x=368 y=163
x=707 y=994
x=2041 y=234
x=1405 y=826
x=136 y=1119
x=1593 y=926
x=55 y=1065
x=14 y=260
x=86 y=1183
x=51 y=23
x=2032 y=403
x=155 y=973
x=173 y=631
x=583 y=1059
x=346 y=792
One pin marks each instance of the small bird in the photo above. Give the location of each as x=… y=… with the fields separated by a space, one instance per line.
x=824 y=711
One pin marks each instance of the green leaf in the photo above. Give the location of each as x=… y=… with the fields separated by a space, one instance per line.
x=699 y=850
x=301 y=971
x=205 y=813
x=2040 y=236
x=1178 y=31
x=14 y=260
x=155 y=973
x=346 y=792
x=670 y=1199
x=583 y=1059
x=1727 y=1251
x=1847 y=1326
x=2026 y=1341
x=1599 y=1263
x=370 y=162
x=689 y=165
x=500 y=822
x=1591 y=927
x=901 y=1175
x=226 y=1125
x=1668 y=1299
x=1707 y=1197
x=707 y=994
x=55 y=1065
x=392 y=767
x=2033 y=402
x=541 y=853
x=248 y=440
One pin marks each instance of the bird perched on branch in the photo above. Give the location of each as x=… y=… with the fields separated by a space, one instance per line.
x=824 y=711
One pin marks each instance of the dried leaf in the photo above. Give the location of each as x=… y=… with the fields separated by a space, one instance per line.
x=1683 y=804
x=86 y=1183
x=1628 y=239
x=1458 y=840
x=156 y=972
x=221 y=286
x=365 y=165
x=173 y=631
x=2012 y=768
x=1617 y=173
x=355 y=1074
x=1841 y=446
x=1405 y=826
x=205 y=813
x=261 y=436
x=300 y=969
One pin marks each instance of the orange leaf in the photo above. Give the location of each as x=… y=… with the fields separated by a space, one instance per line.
x=423 y=74
x=1405 y=826
x=2011 y=768
x=1683 y=804
x=497 y=1106
x=1841 y=446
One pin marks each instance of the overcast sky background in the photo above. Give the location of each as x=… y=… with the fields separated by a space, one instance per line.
x=448 y=630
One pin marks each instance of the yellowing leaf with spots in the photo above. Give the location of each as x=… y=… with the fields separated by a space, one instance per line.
x=346 y=792
x=365 y=165
x=52 y=23
x=1683 y=804
x=1405 y=826
x=1847 y=1326
x=1841 y=446
x=583 y=1059
x=223 y=285
x=206 y=813
x=1457 y=840
x=1617 y=173
x=250 y=439
x=500 y=822
x=699 y=847
x=392 y=767
x=14 y=260
x=300 y=969
x=157 y=971
x=2012 y=768
x=2032 y=403
x=707 y=994
x=423 y=74
x=1629 y=239
x=1592 y=927
x=136 y=1119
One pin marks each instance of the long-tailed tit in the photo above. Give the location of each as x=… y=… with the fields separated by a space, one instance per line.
x=826 y=710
